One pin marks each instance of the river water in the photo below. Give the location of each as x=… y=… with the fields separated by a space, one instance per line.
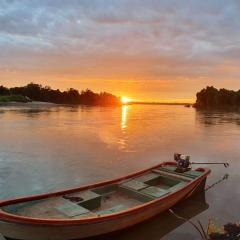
x=49 y=147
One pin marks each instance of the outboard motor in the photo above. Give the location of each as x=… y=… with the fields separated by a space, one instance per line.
x=183 y=162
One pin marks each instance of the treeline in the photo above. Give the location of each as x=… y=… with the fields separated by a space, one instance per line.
x=211 y=97
x=37 y=92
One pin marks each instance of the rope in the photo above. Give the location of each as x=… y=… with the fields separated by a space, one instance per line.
x=225 y=177
x=199 y=230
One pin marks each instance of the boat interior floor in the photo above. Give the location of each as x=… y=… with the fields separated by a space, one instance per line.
x=107 y=199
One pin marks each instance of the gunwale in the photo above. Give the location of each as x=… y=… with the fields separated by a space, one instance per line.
x=9 y=217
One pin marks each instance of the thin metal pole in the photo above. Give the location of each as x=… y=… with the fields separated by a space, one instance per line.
x=225 y=164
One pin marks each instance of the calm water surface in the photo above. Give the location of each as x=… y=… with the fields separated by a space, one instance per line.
x=46 y=148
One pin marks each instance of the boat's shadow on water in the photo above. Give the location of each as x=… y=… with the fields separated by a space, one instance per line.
x=159 y=226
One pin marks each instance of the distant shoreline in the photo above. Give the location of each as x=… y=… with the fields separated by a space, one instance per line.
x=33 y=103
x=157 y=103
x=37 y=92
x=42 y=103
x=39 y=103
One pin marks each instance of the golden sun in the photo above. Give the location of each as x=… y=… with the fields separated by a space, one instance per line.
x=125 y=99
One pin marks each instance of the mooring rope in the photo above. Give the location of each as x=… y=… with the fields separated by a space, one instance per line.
x=200 y=230
x=225 y=177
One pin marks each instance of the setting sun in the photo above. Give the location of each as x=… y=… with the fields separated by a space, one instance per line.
x=125 y=99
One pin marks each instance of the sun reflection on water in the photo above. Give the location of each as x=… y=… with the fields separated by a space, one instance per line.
x=124 y=117
x=122 y=141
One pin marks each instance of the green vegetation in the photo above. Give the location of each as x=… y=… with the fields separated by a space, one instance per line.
x=37 y=92
x=211 y=97
x=13 y=98
x=231 y=231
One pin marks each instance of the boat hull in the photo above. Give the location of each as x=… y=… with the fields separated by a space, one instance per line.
x=78 y=230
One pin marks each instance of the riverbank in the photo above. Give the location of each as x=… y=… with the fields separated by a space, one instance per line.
x=28 y=104
x=37 y=92
x=14 y=98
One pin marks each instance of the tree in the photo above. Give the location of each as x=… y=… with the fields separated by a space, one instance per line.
x=212 y=97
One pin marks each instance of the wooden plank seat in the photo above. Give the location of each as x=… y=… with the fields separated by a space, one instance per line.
x=133 y=185
x=152 y=185
x=155 y=192
x=147 y=177
x=177 y=186
x=132 y=188
x=191 y=173
x=172 y=175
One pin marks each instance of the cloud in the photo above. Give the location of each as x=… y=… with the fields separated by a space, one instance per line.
x=111 y=39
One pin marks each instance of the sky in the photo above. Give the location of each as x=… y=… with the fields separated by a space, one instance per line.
x=162 y=50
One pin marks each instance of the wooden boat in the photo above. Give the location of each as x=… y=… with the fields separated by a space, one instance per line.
x=99 y=208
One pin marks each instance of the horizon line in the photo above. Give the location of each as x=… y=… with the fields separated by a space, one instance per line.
x=157 y=103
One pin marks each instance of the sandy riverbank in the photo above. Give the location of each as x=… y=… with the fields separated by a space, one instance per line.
x=33 y=103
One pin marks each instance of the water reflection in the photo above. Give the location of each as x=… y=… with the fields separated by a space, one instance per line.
x=217 y=117
x=122 y=140
x=30 y=112
x=124 y=117
x=161 y=225
x=63 y=146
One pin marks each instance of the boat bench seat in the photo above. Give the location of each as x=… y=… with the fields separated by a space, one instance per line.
x=155 y=192
x=110 y=210
x=191 y=173
x=143 y=186
x=87 y=199
x=147 y=177
x=133 y=188
x=133 y=185
x=177 y=186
